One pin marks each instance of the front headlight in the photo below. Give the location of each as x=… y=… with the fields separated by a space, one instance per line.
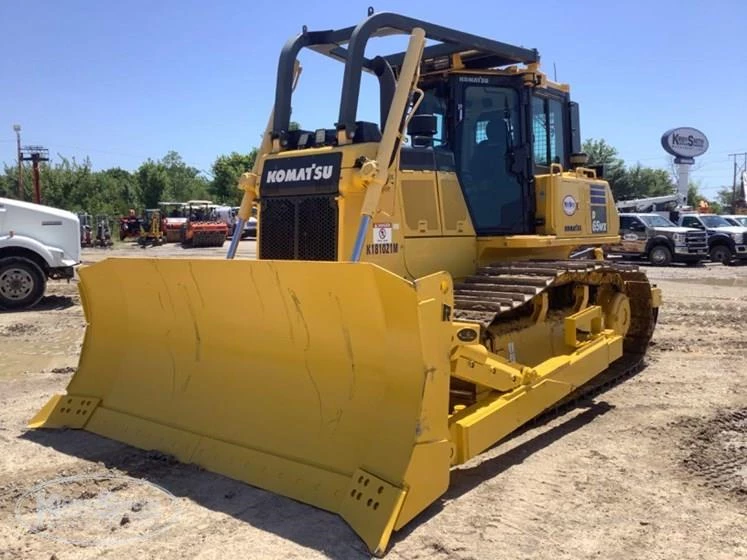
x=738 y=238
x=680 y=238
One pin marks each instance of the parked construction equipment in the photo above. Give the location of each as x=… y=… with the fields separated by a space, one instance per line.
x=174 y=219
x=103 y=232
x=151 y=232
x=417 y=302
x=86 y=239
x=130 y=226
x=202 y=227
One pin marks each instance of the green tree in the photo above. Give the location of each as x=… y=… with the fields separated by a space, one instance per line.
x=9 y=181
x=725 y=196
x=120 y=187
x=601 y=153
x=693 y=194
x=70 y=185
x=226 y=172
x=153 y=180
x=627 y=182
x=646 y=181
x=184 y=182
x=613 y=168
x=695 y=197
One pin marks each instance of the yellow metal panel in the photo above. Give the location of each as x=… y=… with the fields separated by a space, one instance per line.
x=588 y=320
x=420 y=203
x=478 y=427
x=565 y=205
x=435 y=294
x=537 y=241
x=455 y=217
x=426 y=477
x=426 y=255
x=371 y=506
x=278 y=474
x=285 y=370
x=474 y=363
x=65 y=411
x=146 y=434
x=349 y=153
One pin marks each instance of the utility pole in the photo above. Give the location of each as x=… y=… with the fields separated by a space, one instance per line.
x=35 y=154
x=734 y=184
x=17 y=128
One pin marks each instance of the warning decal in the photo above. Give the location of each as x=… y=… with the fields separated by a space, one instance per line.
x=382 y=233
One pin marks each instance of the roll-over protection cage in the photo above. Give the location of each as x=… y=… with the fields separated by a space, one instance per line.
x=348 y=45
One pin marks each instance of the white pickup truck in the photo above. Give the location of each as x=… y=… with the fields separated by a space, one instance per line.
x=36 y=243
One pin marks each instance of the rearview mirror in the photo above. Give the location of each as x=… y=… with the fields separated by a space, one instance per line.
x=422 y=125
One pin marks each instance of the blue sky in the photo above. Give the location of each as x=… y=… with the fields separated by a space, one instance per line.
x=123 y=81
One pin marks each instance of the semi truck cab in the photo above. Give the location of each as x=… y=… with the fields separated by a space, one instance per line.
x=37 y=243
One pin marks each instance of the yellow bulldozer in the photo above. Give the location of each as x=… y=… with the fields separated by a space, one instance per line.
x=418 y=292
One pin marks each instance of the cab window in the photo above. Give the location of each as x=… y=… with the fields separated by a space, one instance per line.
x=690 y=221
x=632 y=223
x=548 y=129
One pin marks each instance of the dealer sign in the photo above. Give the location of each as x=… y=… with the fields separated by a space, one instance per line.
x=684 y=142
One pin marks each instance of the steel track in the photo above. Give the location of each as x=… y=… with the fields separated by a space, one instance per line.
x=490 y=294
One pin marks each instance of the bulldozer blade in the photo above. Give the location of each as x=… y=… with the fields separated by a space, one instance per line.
x=326 y=382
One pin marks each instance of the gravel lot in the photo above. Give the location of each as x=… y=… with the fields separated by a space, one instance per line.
x=656 y=467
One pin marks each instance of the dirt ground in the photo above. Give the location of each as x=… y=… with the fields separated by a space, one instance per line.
x=656 y=467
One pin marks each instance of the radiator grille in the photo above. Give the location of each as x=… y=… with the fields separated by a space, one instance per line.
x=298 y=228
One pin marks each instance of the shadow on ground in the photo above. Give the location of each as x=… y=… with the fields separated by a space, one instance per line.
x=281 y=516
x=47 y=303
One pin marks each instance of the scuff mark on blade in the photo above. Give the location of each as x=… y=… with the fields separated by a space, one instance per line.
x=279 y=286
x=197 y=285
x=256 y=289
x=316 y=390
x=198 y=338
x=173 y=372
x=297 y=303
x=165 y=286
x=348 y=348
x=335 y=420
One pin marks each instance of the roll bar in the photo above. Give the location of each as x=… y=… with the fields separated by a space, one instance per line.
x=348 y=45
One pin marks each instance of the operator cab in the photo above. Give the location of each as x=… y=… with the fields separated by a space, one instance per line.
x=498 y=137
x=489 y=123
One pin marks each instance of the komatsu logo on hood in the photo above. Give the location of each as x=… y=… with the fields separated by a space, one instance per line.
x=313 y=172
x=302 y=175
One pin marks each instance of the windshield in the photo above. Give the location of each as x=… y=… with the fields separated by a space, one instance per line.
x=714 y=221
x=740 y=220
x=657 y=221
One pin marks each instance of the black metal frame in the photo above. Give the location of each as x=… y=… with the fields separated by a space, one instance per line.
x=477 y=52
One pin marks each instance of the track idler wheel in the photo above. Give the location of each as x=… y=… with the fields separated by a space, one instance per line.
x=617 y=314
